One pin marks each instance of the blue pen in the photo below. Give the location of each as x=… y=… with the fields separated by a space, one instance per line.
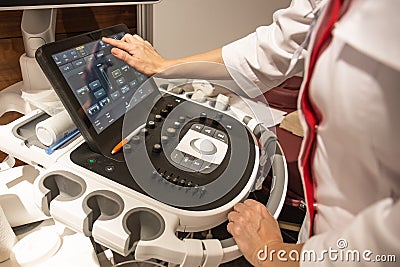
x=61 y=142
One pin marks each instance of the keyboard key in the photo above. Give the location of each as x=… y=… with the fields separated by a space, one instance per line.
x=197 y=127
x=177 y=156
x=208 y=131
x=221 y=136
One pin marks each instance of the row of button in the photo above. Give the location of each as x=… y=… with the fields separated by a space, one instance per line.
x=210 y=132
x=192 y=163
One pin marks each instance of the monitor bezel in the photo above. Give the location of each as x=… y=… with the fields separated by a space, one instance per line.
x=104 y=141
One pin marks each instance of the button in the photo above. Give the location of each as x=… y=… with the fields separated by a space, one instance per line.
x=177 y=125
x=177 y=156
x=151 y=124
x=135 y=139
x=197 y=164
x=186 y=161
x=221 y=136
x=203 y=146
x=164 y=139
x=208 y=131
x=208 y=167
x=144 y=131
x=157 y=148
x=164 y=112
x=182 y=182
x=171 y=131
x=169 y=107
x=127 y=148
x=109 y=168
x=203 y=116
x=181 y=119
x=157 y=117
x=91 y=161
x=197 y=127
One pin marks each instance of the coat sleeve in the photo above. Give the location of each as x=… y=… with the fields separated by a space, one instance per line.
x=373 y=238
x=263 y=57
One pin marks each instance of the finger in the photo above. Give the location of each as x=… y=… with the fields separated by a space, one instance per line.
x=232 y=216
x=128 y=38
x=240 y=207
x=137 y=37
x=255 y=205
x=124 y=56
x=118 y=43
x=229 y=227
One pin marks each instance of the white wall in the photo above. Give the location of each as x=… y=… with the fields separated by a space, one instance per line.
x=185 y=27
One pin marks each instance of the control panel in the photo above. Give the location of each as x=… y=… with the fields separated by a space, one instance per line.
x=184 y=154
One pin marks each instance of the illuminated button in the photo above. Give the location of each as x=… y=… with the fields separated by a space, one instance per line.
x=164 y=139
x=171 y=131
x=203 y=146
x=91 y=161
x=177 y=125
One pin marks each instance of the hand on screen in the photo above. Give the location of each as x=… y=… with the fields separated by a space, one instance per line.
x=138 y=53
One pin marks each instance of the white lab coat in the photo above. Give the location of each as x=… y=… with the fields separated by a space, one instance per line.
x=356 y=87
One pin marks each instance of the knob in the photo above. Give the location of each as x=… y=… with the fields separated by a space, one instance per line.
x=169 y=107
x=164 y=112
x=144 y=131
x=151 y=124
x=156 y=148
x=157 y=117
x=203 y=116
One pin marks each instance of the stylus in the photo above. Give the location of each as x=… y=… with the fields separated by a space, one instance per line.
x=62 y=141
x=119 y=146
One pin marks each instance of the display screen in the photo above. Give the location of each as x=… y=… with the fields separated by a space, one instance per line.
x=104 y=86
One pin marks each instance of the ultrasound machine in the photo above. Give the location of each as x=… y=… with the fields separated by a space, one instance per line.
x=183 y=165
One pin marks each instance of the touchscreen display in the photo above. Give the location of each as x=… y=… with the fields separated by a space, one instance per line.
x=104 y=86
